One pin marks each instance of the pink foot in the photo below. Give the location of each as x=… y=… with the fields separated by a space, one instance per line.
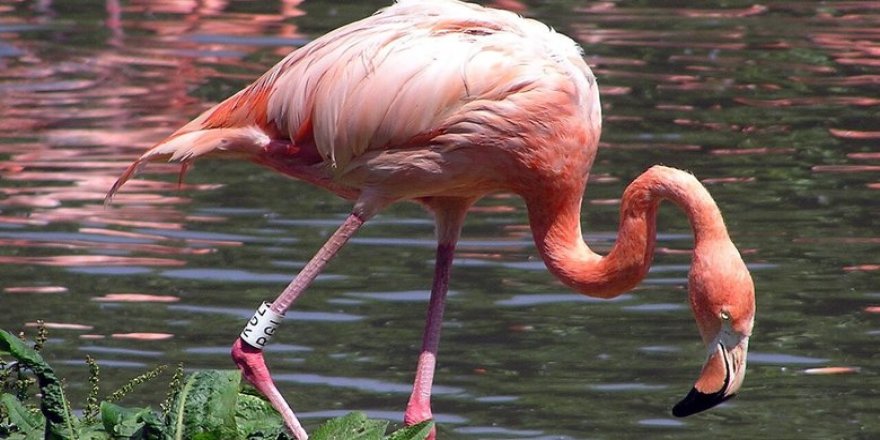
x=253 y=367
x=433 y=434
x=417 y=413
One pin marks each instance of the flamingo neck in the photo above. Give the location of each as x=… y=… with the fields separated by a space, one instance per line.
x=555 y=222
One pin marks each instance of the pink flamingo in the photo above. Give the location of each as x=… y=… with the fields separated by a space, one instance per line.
x=443 y=102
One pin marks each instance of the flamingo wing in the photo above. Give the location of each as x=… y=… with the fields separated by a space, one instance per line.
x=411 y=72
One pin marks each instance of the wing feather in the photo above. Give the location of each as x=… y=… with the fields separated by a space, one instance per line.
x=392 y=77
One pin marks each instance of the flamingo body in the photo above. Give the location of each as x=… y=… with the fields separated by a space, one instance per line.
x=443 y=102
x=410 y=102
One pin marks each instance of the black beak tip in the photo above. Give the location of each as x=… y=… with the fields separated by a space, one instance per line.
x=696 y=401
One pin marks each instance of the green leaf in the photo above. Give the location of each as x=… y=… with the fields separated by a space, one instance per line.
x=418 y=431
x=59 y=422
x=22 y=436
x=28 y=425
x=92 y=432
x=131 y=423
x=122 y=422
x=256 y=419
x=154 y=427
x=354 y=426
x=205 y=407
x=208 y=406
x=18 y=349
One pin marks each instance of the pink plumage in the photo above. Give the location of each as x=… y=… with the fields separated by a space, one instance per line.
x=443 y=102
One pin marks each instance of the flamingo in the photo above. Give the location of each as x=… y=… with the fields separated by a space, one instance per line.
x=442 y=102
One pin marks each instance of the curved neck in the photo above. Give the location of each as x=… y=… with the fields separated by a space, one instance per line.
x=555 y=222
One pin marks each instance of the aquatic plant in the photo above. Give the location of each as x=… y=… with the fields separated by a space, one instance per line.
x=204 y=405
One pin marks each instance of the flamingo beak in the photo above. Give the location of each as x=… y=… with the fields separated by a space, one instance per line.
x=720 y=379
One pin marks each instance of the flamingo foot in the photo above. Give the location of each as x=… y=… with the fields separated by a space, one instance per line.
x=417 y=411
x=253 y=367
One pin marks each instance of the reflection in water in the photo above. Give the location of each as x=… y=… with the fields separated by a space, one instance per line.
x=36 y=289
x=772 y=104
x=135 y=297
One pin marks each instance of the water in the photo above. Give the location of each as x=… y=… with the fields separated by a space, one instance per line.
x=773 y=105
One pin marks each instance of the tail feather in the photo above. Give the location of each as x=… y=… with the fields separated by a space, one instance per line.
x=187 y=147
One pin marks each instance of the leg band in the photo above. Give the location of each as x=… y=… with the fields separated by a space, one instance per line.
x=260 y=329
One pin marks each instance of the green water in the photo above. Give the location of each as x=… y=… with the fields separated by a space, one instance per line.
x=774 y=106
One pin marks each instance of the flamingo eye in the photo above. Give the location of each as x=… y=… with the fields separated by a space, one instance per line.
x=725 y=316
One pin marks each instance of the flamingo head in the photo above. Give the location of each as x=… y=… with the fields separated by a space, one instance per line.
x=722 y=297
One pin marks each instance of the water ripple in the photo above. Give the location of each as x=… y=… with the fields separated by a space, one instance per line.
x=662 y=423
x=528 y=300
x=761 y=358
x=237 y=275
x=120 y=351
x=377 y=414
x=248 y=40
x=271 y=348
x=500 y=432
x=626 y=387
x=244 y=313
x=657 y=307
x=361 y=384
x=403 y=296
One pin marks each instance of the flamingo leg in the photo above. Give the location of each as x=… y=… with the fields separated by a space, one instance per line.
x=449 y=216
x=249 y=358
x=419 y=407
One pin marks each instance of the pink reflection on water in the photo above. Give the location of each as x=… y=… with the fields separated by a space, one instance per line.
x=92 y=245
x=862 y=268
x=136 y=297
x=854 y=134
x=8 y=220
x=717 y=180
x=832 y=370
x=498 y=209
x=751 y=151
x=123 y=234
x=864 y=156
x=860 y=101
x=85 y=128
x=846 y=168
x=135 y=217
x=655 y=145
x=89 y=260
x=35 y=289
x=715 y=126
x=673 y=251
x=610 y=91
x=60 y=325
x=675 y=107
x=143 y=336
x=604 y=202
x=72 y=120
x=725 y=13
